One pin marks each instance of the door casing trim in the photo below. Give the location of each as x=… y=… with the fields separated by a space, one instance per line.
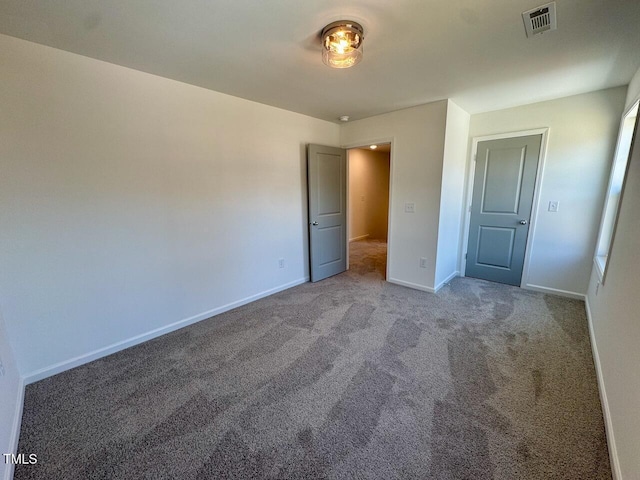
x=468 y=195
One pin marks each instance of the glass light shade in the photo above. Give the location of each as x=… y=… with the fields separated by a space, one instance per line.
x=342 y=44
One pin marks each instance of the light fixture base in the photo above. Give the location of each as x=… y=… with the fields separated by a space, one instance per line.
x=342 y=44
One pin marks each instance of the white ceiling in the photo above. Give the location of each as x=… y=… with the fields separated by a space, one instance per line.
x=415 y=51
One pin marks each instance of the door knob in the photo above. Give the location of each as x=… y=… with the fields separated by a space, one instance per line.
x=314 y=223
x=522 y=222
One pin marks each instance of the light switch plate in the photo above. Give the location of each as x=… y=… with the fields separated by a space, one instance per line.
x=409 y=207
x=554 y=206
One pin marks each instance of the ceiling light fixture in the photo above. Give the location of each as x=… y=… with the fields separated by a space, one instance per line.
x=342 y=44
x=373 y=147
x=344 y=118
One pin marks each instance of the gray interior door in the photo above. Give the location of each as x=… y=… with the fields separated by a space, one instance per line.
x=327 y=179
x=503 y=186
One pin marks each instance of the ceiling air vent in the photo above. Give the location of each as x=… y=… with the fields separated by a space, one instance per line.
x=540 y=19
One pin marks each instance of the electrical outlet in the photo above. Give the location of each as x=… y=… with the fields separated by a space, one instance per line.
x=281 y=263
x=423 y=262
x=554 y=206
x=409 y=207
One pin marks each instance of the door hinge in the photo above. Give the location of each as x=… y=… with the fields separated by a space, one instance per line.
x=470 y=208
x=465 y=256
x=475 y=157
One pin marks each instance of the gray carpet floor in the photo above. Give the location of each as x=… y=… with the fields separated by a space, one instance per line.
x=351 y=377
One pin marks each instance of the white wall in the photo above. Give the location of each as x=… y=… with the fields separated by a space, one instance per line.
x=583 y=131
x=615 y=323
x=368 y=194
x=452 y=193
x=418 y=136
x=129 y=202
x=10 y=400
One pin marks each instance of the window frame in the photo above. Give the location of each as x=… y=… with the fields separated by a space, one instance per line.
x=601 y=261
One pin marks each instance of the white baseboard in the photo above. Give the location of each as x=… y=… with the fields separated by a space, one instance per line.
x=608 y=426
x=415 y=286
x=15 y=430
x=447 y=280
x=361 y=237
x=554 y=291
x=116 y=347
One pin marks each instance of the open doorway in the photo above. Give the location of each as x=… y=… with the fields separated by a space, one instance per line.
x=369 y=169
